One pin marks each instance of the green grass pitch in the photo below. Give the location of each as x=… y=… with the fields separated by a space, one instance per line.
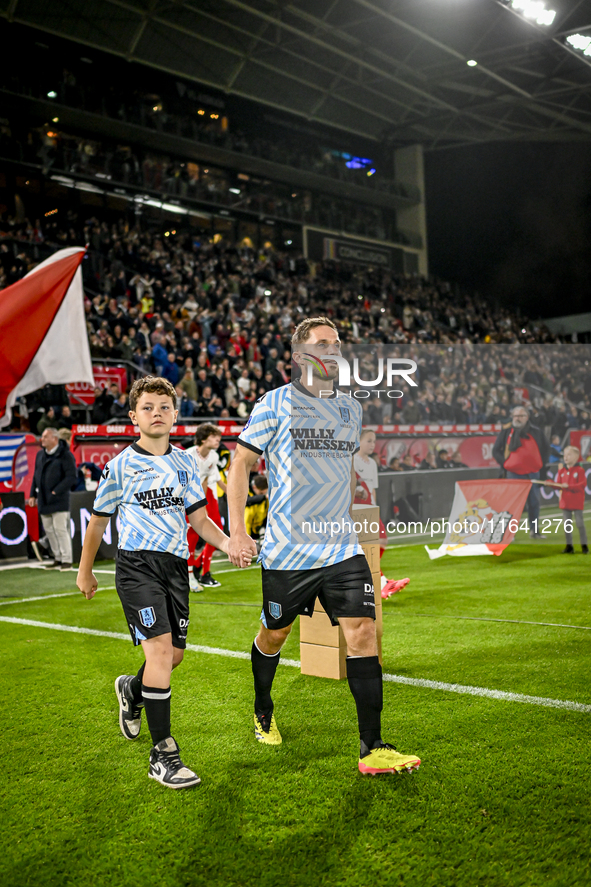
x=501 y=798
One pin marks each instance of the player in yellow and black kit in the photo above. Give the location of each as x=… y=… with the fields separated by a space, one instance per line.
x=257 y=508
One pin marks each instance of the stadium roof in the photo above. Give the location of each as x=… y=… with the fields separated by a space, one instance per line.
x=377 y=68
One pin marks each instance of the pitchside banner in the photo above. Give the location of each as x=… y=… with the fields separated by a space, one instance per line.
x=484 y=517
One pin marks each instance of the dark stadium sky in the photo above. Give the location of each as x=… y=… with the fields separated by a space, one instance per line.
x=514 y=222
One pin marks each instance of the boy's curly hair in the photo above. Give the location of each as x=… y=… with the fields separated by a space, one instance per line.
x=151 y=385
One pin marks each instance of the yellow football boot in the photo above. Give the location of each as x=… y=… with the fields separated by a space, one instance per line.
x=386 y=759
x=265 y=730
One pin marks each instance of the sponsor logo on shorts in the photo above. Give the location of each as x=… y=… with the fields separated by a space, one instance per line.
x=275 y=610
x=183 y=623
x=183 y=477
x=367 y=588
x=147 y=616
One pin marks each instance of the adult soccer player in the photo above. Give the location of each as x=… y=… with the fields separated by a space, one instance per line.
x=154 y=485
x=308 y=441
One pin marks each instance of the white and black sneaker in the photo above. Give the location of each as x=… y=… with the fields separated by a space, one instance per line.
x=54 y=565
x=130 y=713
x=207 y=581
x=167 y=768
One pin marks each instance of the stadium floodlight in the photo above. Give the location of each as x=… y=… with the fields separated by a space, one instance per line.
x=580 y=42
x=535 y=10
x=471 y=63
x=52 y=94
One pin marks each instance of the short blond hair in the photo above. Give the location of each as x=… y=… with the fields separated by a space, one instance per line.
x=303 y=329
x=573 y=450
x=151 y=385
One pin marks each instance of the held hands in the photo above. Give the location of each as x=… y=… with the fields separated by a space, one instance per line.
x=241 y=549
x=87 y=583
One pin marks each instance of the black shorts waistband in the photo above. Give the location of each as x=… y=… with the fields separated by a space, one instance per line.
x=143 y=552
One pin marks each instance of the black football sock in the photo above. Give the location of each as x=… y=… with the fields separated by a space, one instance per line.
x=157 y=705
x=197 y=573
x=263 y=670
x=364 y=674
x=135 y=685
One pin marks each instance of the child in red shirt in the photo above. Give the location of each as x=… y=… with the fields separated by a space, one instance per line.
x=572 y=480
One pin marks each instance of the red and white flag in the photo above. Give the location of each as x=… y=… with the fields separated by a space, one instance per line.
x=43 y=337
x=484 y=517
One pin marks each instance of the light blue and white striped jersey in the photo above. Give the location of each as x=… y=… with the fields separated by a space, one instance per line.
x=308 y=443
x=153 y=494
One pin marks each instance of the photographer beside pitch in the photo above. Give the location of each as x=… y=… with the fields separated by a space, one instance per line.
x=154 y=485
x=296 y=572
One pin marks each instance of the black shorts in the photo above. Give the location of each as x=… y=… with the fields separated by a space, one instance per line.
x=344 y=590
x=154 y=590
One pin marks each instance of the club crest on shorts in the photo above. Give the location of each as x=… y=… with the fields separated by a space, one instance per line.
x=275 y=610
x=183 y=476
x=345 y=414
x=147 y=617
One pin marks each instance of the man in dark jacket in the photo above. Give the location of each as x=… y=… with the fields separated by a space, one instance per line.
x=55 y=475
x=522 y=451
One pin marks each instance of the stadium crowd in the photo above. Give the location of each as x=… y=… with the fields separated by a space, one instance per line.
x=178 y=110
x=216 y=321
x=57 y=152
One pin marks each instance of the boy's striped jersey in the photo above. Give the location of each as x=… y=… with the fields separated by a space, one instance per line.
x=308 y=443
x=153 y=494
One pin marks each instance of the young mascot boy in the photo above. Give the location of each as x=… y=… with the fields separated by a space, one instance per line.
x=154 y=485
x=572 y=480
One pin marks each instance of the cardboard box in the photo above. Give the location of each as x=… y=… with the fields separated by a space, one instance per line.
x=319 y=630
x=323 y=662
x=369 y=517
x=371 y=551
x=322 y=646
x=379 y=621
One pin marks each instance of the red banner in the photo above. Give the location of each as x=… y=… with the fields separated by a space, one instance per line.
x=82 y=392
x=475 y=451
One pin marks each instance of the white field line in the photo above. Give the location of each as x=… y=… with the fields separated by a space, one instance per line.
x=489 y=619
x=294 y=663
x=44 y=597
x=489 y=694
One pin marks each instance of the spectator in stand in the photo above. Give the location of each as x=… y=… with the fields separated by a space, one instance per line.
x=65 y=419
x=159 y=354
x=170 y=370
x=49 y=420
x=456 y=460
x=522 y=450
x=120 y=410
x=188 y=385
x=407 y=463
x=54 y=477
x=394 y=464
x=429 y=462
x=104 y=399
x=186 y=407
x=555 y=450
x=443 y=459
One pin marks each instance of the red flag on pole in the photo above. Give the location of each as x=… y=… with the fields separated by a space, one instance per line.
x=43 y=338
